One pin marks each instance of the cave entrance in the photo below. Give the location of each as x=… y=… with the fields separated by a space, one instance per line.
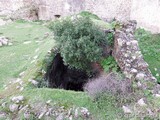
x=57 y=16
x=63 y=77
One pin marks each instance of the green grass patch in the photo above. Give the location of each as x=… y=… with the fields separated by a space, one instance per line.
x=102 y=109
x=18 y=57
x=150 y=47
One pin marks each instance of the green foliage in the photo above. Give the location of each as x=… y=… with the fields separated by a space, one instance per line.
x=79 y=42
x=110 y=38
x=149 y=44
x=109 y=64
x=88 y=14
x=142 y=35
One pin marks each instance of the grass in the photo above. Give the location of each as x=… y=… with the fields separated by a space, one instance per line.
x=103 y=109
x=17 y=58
x=150 y=47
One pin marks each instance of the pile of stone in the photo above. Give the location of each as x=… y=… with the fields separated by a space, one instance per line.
x=128 y=55
x=4 y=41
x=19 y=107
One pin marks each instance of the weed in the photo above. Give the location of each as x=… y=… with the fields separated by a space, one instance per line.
x=109 y=64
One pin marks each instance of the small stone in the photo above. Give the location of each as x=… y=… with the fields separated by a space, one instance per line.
x=128 y=43
x=27 y=115
x=133 y=57
x=60 y=117
x=22 y=88
x=157 y=95
x=126 y=110
x=127 y=65
x=17 y=80
x=120 y=42
x=157 y=75
x=134 y=42
x=139 y=84
x=47 y=113
x=6 y=88
x=70 y=117
x=48 y=102
x=85 y=112
x=2 y=116
x=35 y=57
x=10 y=44
x=34 y=82
x=126 y=55
x=41 y=115
x=141 y=102
x=21 y=74
x=24 y=108
x=33 y=61
x=76 y=113
x=27 y=42
x=13 y=107
x=37 y=50
x=4 y=42
x=18 y=87
x=155 y=69
x=17 y=99
x=140 y=76
x=3 y=105
x=133 y=70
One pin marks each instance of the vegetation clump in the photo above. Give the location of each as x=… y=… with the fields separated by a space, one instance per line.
x=88 y=14
x=79 y=42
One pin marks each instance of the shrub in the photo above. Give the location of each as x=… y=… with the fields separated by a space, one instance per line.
x=79 y=42
x=109 y=64
x=88 y=14
x=112 y=83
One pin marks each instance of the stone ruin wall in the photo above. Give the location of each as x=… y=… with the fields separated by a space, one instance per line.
x=128 y=55
x=145 y=12
x=119 y=9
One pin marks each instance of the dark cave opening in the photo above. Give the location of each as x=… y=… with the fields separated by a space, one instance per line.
x=62 y=77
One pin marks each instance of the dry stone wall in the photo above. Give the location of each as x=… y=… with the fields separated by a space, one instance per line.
x=128 y=55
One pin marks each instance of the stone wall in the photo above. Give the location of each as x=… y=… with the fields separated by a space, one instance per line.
x=145 y=12
x=128 y=55
x=119 y=9
x=8 y=6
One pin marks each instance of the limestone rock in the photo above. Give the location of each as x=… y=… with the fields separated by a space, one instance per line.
x=13 y=107
x=140 y=76
x=134 y=70
x=126 y=110
x=60 y=117
x=17 y=99
x=27 y=115
x=34 y=82
x=85 y=112
x=141 y=102
x=157 y=95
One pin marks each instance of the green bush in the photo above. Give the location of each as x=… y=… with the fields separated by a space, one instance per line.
x=109 y=64
x=79 y=41
x=88 y=14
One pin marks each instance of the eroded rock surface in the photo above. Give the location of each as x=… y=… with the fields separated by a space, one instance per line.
x=128 y=55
